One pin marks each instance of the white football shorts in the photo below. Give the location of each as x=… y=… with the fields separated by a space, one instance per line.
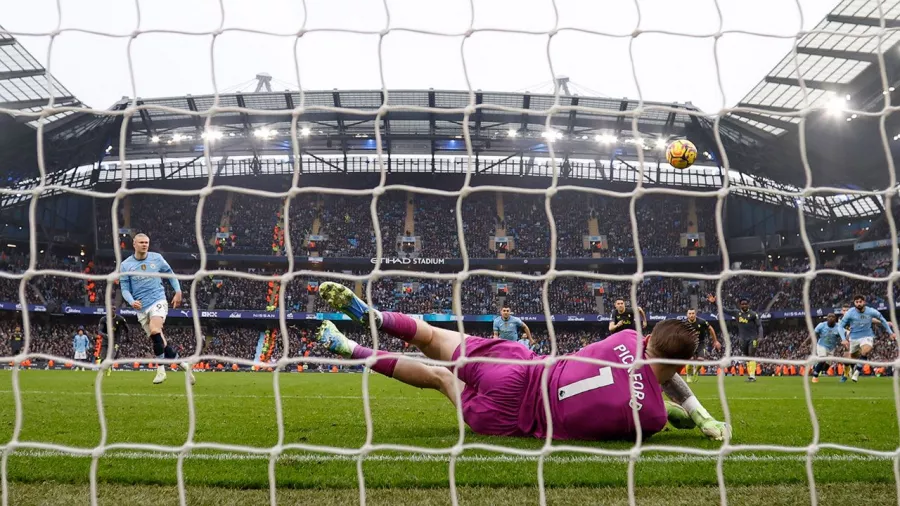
x=822 y=351
x=856 y=344
x=159 y=308
x=80 y=355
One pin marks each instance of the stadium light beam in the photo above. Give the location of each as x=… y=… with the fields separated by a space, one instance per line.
x=264 y=133
x=511 y=133
x=661 y=144
x=154 y=139
x=836 y=105
x=305 y=132
x=606 y=139
x=212 y=135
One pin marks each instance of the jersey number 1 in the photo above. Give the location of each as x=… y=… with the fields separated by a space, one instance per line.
x=604 y=379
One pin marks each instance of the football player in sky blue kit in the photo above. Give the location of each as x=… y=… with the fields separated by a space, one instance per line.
x=148 y=297
x=829 y=334
x=507 y=327
x=80 y=344
x=862 y=336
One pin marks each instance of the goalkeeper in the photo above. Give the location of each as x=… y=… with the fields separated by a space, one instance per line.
x=119 y=333
x=506 y=400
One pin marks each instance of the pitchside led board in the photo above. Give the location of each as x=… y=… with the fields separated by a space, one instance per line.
x=432 y=317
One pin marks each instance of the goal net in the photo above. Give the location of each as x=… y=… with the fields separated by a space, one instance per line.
x=811 y=98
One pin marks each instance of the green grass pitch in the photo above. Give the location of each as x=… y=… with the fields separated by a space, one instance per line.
x=326 y=409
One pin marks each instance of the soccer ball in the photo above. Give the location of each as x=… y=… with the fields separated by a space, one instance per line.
x=681 y=153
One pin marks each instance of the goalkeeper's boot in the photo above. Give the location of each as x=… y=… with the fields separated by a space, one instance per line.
x=344 y=300
x=855 y=376
x=679 y=417
x=160 y=375
x=714 y=429
x=334 y=340
x=815 y=379
x=187 y=370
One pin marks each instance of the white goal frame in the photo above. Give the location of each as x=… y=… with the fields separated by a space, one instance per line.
x=549 y=448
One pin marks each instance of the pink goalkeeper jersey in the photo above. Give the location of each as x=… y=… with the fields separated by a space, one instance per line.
x=589 y=401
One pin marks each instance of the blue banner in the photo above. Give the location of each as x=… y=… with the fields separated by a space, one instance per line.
x=434 y=317
x=872 y=244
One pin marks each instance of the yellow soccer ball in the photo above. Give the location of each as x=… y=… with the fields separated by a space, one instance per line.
x=681 y=153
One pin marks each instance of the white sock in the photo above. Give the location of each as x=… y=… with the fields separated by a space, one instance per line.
x=695 y=409
x=378 y=320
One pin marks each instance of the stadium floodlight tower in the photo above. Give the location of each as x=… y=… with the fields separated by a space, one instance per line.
x=263 y=80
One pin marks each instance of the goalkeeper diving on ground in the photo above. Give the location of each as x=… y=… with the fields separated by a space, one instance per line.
x=587 y=402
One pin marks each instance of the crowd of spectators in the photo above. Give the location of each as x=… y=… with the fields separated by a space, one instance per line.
x=436 y=226
x=346 y=221
x=169 y=220
x=480 y=220
x=480 y=294
x=251 y=222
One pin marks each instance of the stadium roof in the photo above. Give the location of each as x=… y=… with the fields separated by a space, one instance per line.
x=343 y=123
x=829 y=62
x=26 y=86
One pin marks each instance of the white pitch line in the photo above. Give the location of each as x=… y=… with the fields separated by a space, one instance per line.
x=237 y=396
x=662 y=459
x=26 y=392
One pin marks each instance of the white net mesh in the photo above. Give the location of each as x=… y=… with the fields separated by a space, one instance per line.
x=296 y=115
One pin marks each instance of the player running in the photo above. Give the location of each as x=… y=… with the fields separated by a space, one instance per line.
x=830 y=334
x=507 y=327
x=80 y=343
x=705 y=331
x=862 y=335
x=148 y=297
x=586 y=402
x=120 y=330
x=750 y=331
x=622 y=318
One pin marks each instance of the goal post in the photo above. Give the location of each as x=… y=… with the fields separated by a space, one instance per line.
x=471 y=143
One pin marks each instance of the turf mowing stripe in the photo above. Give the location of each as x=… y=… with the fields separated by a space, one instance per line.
x=133 y=455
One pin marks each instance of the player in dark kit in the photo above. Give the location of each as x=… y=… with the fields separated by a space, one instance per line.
x=16 y=341
x=705 y=331
x=120 y=331
x=622 y=318
x=750 y=331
